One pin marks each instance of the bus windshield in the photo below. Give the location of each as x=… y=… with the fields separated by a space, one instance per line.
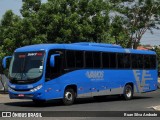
x=26 y=67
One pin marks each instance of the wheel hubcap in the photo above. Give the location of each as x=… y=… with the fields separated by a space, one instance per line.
x=128 y=92
x=68 y=96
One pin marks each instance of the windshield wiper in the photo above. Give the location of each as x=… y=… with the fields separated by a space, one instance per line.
x=24 y=76
x=19 y=76
x=16 y=76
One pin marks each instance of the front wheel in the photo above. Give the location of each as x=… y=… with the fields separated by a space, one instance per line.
x=128 y=92
x=69 y=96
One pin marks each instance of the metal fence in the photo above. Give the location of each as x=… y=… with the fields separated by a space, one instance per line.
x=3 y=83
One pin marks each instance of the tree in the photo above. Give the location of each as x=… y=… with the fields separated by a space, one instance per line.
x=30 y=7
x=157 y=50
x=74 y=20
x=138 y=16
x=56 y=21
x=10 y=33
x=67 y=21
x=31 y=24
x=117 y=31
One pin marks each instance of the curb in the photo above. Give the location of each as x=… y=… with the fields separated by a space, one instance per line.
x=159 y=83
x=156 y=108
x=4 y=98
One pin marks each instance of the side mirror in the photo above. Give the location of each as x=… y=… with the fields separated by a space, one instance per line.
x=4 y=61
x=52 y=59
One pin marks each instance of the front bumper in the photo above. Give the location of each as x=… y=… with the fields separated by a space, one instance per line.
x=27 y=95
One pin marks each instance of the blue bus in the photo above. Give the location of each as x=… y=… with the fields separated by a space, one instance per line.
x=68 y=71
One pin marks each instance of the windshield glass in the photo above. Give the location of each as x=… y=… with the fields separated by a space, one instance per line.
x=26 y=66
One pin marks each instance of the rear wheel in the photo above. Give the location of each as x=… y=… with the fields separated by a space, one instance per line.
x=69 y=96
x=128 y=92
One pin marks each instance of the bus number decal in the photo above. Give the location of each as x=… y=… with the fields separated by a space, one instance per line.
x=141 y=80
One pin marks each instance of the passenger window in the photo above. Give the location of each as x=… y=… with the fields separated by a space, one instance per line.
x=105 y=60
x=89 y=59
x=79 y=59
x=127 y=61
x=70 y=56
x=153 y=61
x=97 y=59
x=134 y=61
x=140 y=61
x=120 y=57
x=113 y=60
x=146 y=61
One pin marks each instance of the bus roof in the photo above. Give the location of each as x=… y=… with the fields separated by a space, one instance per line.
x=83 y=46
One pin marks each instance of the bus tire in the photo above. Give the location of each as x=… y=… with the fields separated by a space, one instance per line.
x=128 y=92
x=69 y=96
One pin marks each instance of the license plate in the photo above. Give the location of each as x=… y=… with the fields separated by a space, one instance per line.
x=20 y=95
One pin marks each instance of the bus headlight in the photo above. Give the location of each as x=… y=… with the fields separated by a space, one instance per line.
x=10 y=89
x=36 y=88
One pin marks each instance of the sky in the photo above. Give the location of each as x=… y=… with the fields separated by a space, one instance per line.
x=15 y=5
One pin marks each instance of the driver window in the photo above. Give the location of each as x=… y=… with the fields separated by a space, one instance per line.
x=53 y=72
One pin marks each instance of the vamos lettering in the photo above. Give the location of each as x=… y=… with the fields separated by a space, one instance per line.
x=95 y=75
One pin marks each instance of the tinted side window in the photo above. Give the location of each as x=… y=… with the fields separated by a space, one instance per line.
x=97 y=59
x=79 y=59
x=113 y=61
x=57 y=70
x=89 y=59
x=70 y=56
x=120 y=57
x=140 y=61
x=105 y=60
x=146 y=61
x=153 y=61
x=127 y=60
x=134 y=61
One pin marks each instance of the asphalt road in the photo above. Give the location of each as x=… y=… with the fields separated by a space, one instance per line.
x=140 y=102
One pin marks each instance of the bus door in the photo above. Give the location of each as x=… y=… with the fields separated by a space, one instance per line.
x=52 y=84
